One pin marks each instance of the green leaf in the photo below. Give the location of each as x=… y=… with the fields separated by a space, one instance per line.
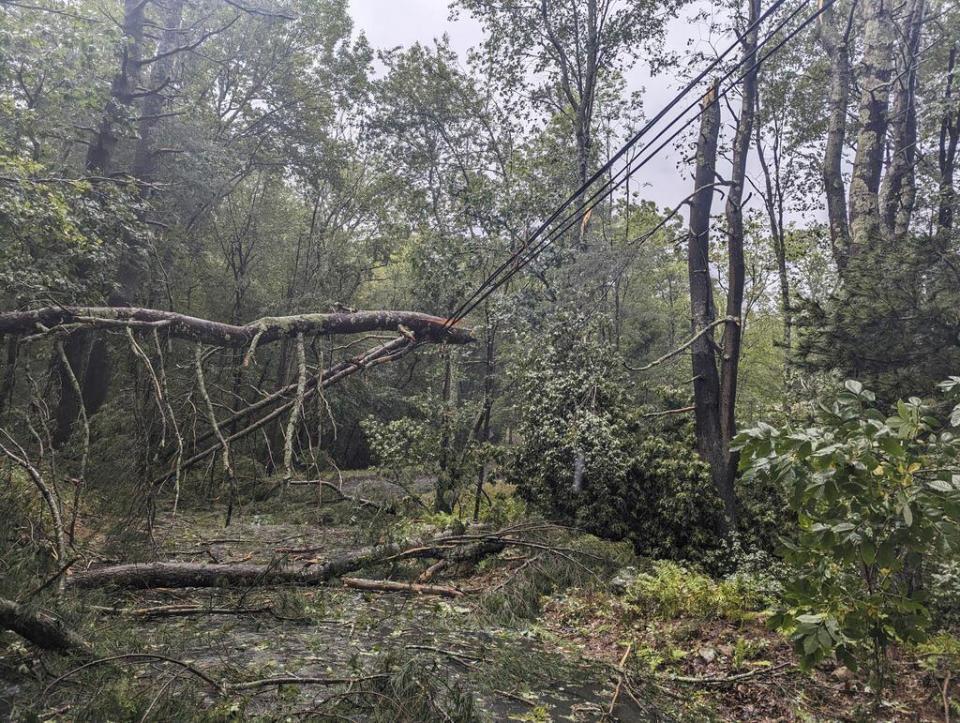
x=939 y=485
x=854 y=386
x=868 y=552
x=907 y=514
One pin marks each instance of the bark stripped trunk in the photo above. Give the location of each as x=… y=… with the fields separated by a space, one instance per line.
x=836 y=47
x=706 y=379
x=899 y=189
x=866 y=227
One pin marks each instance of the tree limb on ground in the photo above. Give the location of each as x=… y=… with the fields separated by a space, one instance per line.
x=190 y=574
x=358 y=583
x=42 y=629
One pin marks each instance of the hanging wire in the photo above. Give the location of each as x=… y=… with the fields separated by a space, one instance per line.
x=515 y=263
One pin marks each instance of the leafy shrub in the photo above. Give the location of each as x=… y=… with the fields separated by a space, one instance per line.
x=577 y=429
x=944 y=591
x=441 y=443
x=872 y=503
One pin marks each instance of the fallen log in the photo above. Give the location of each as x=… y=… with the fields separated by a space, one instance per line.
x=42 y=629
x=145 y=575
x=192 y=574
x=358 y=583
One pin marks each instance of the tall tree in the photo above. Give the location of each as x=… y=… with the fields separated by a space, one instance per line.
x=561 y=54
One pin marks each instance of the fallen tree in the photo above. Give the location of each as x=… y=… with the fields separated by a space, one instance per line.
x=216 y=333
x=192 y=574
x=60 y=322
x=42 y=629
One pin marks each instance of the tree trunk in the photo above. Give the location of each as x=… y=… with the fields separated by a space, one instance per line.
x=445 y=479
x=947 y=154
x=154 y=102
x=43 y=630
x=262 y=331
x=773 y=202
x=866 y=228
x=122 y=90
x=90 y=358
x=733 y=329
x=706 y=379
x=190 y=574
x=836 y=47
x=899 y=189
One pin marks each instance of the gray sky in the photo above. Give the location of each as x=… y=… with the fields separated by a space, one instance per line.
x=391 y=23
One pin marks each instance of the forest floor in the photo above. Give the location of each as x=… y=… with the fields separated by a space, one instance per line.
x=531 y=639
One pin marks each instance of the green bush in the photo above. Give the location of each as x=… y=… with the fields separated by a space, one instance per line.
x=638 y=483
x=874 y=499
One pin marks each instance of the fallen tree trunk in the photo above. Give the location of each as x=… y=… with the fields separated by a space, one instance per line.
x=263 y=331
x=192 y=574
x=42 y=629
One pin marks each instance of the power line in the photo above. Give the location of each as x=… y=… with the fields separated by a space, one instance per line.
x=457 y=314
x=492 y=283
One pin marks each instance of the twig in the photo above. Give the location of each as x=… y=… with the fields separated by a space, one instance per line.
x=295 y=680
x=620 y=679
x=50 y=580
x=163 y=611
x=408 y=587
x=448 y=653
x=730 y=679
x=218 y=686
x=53 y=503
x=682 y=347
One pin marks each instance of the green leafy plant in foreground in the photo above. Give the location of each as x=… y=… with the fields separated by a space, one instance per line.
x=874 y=498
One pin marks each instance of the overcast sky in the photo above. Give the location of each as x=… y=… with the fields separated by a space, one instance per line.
x=392 y=23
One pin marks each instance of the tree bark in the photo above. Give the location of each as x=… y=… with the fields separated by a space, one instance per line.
x=836 y=47
x=42 y=629
x=733 y=329
x=899 y=188
x=190 y=574
x=866 y=227
x=706 y=378
x=415 y=588
x=216 y=333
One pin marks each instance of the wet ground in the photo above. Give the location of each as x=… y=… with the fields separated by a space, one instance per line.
x=334 y=632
